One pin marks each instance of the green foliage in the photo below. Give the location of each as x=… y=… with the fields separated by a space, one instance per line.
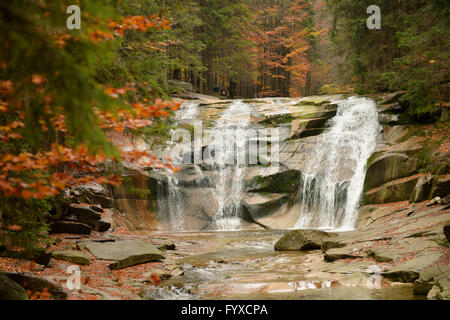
x=32 y=237
x=410 y=51
x=30 y=48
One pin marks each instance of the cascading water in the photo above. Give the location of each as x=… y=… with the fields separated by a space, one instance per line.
x=172 y=202
x=333 y=179
x=231 y=167
x=229 y=144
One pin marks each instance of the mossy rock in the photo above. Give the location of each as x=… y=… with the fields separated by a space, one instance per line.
x=10 y=290
x=399 y=190
x=77 y=257
x=301 y=240
x=287 y=181
x=387 y=167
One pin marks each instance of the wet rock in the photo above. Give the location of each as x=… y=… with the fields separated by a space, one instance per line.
x=422 y=189
x=447 y=230
x=43 y=259
x=301 y=240
x=441 y=288
x=388 y=167
x=263 y=204
x=163 y=275
x=434 y=201
x=314 y=102
x=445 y=201
x=101 y=225
x=399 y=248
x=392 y=97
x=273 y=180
x=331 y=243
x=166 y=246
x=10 y=290
x=70 y=227
x=342 y=253
x=428 y=277
x=97 y=208
x=77 y=257
x=442 y=186
x=35 y=283
x=398 y=190
x=125 y=252
x=409 y=271
x=84 y=214
x=390 y=108
x=94 y=193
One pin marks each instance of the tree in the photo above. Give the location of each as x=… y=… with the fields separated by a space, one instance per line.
x=54 y=112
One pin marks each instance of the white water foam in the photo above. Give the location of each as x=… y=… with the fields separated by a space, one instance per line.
x=333 y=180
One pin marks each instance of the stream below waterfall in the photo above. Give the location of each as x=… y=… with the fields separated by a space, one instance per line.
x=243 y=265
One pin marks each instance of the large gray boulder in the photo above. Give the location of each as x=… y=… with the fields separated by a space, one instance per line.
x=301 y=240
x=10 y=290
x=125 y=253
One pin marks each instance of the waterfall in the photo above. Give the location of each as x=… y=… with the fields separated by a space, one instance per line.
x=231 y=167
x=333 y=178
x=228 y=164
x=171 y=202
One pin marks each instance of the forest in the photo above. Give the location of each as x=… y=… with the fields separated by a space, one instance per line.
x=63 y=92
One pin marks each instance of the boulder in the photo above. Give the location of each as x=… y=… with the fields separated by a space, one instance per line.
x=398 y=190
x=427 y=279
x=342 y=253
x=95 y=194
x=392 y=97
x=301 y=240
x=34 y=283
x=10 y=290
x=422 y=189
x=273 y=180
x=388 y=167
x=446 y=200
x=70 y=227
x=125 y=252
x=442 y=187
x=447 y=230
x=100 y=225
x=409 y=271
x=263 y=204
x=77 y=257
x=390 y=108
x=83 y=214
x=399 y=248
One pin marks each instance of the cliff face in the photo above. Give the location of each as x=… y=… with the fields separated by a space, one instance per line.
x=409 y=165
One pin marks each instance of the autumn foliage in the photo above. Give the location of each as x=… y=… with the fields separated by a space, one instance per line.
x=54 y=112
